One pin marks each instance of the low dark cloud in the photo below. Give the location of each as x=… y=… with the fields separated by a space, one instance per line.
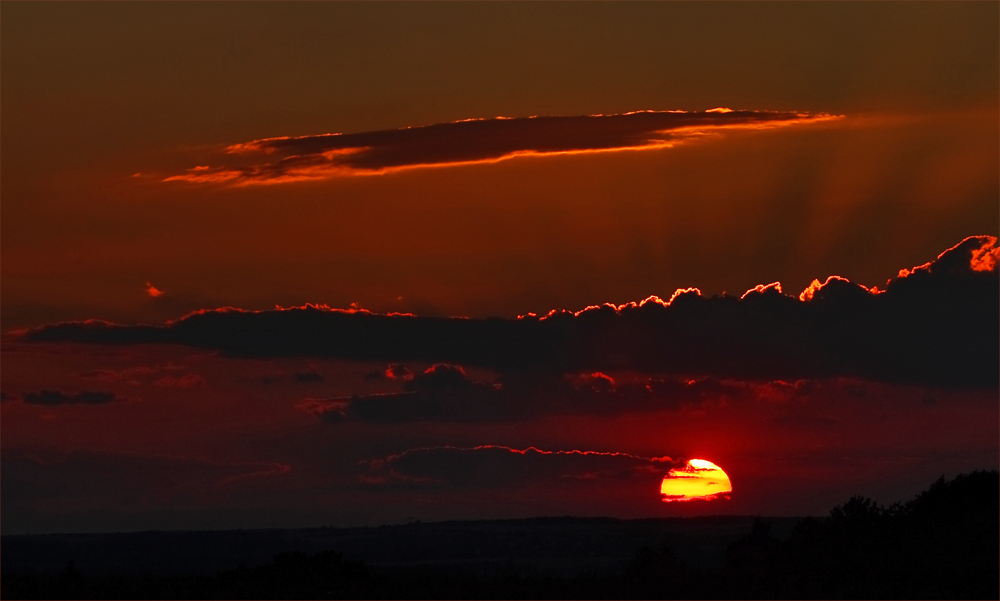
x=781 y=391
x=936 y=324
x=489 y=466
x=115 y=375
x=185 y=381
x=287 y=159
x=395 y=371
x=130 y=375
x=444 y=393
x=306 y=377
x=84 y=397
x=807 y=422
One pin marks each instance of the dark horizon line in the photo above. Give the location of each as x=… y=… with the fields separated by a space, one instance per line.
x=423 y=523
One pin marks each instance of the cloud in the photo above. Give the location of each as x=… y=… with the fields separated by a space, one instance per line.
x=780 y=391
x=310 y=375
x=306 y=377
x=444 y=393
x=807 y=422
x=84 y=397
x=398 y=372
x=936 y=324
x=185 y=381
x=129 y=375
x=489 y=466
x=291 y=159
x=115 y=375
x=153 y=291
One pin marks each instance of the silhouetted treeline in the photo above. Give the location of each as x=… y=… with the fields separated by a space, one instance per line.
x=944 y=544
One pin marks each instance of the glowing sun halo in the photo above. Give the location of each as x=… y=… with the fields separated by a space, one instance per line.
x=698 y=479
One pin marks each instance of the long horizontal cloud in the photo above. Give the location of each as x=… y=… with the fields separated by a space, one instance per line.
x=56 y=397
x=445 y=393
x=289 y=159
x=935 y=324
x=502 y=466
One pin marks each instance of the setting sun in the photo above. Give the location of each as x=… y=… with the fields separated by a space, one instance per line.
x=386 y=299
x=698 y=479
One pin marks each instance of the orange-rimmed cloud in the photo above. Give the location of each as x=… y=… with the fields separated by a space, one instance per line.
x=935 y=324
x=492 y=465
x=288 y=159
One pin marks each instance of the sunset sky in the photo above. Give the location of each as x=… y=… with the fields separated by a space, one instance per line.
x=363 y=263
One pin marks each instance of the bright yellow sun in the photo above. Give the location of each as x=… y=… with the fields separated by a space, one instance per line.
x=699 y=479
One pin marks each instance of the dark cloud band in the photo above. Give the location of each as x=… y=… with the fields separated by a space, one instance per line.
x=499 y=466
x=936 y=324
x=84 y=397
x=445 y=393
x=288 y=159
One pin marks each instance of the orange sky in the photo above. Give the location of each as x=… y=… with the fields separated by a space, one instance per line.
x=857 y=197
x=104 y=102
x=908 y=171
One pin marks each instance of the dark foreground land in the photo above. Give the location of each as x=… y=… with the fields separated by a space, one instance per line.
x=945 y=544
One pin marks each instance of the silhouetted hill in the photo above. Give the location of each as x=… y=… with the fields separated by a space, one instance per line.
x=942 y=544
x=561 y=545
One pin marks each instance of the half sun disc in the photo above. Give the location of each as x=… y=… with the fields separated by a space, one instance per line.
x=698 y=479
